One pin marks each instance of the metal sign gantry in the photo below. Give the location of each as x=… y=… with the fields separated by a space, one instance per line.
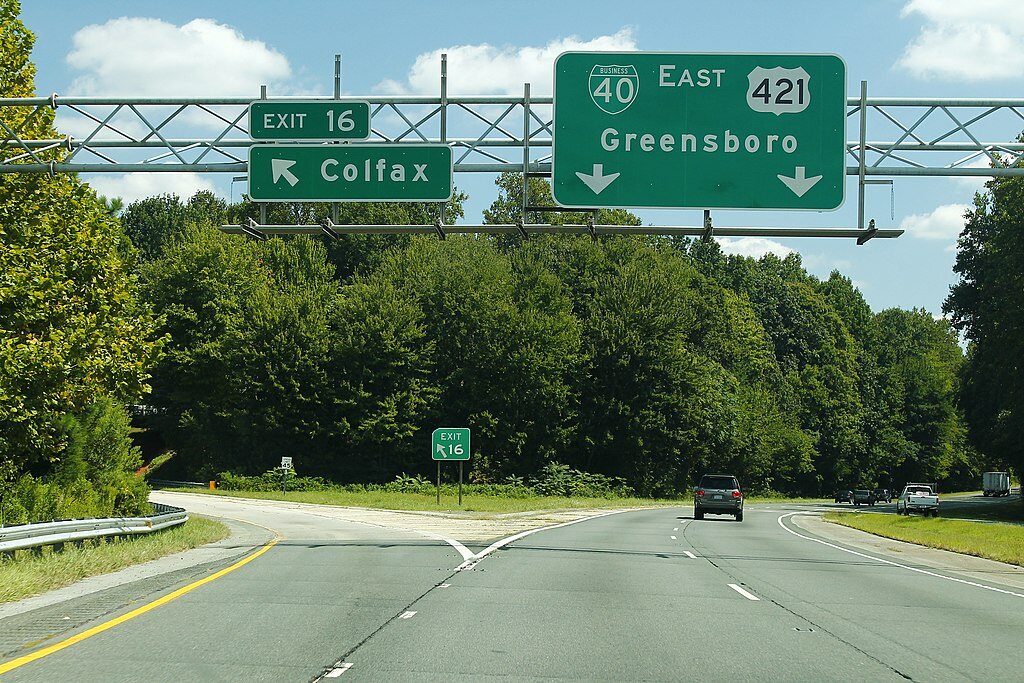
x=910 y=137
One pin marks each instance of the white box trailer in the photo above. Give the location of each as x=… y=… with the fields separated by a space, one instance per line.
x=995 y=484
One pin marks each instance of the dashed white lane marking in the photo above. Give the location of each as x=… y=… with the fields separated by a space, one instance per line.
x=407 y=615
x=472 y=560
x=672 y=537
x=739 y=589
x=338 y=670
x=675 y=528
x=444 y=585
x=894 y=564
x=689 y=555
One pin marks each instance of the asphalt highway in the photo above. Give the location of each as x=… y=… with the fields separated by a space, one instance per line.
x=641 y=595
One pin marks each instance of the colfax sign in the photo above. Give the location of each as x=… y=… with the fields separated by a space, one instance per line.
x=354 y=173
x=667 y=130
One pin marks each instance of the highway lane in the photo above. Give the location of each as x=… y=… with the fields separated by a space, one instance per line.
x=642 y=595
x=278 y=618
x=618 y=598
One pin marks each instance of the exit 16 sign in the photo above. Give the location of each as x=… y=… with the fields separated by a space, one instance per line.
x=450 y=443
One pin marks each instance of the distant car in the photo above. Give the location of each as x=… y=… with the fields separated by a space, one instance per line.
x=883 y=496
x=718 y=494
x=863 y=497
x=844 y=496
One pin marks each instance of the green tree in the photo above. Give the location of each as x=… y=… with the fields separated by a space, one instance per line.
x=986 y=306
x=499 y=362
x=72 y=328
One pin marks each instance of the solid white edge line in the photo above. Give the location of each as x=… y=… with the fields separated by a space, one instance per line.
x=689 y=555
x=474 y=559
x=739 y=589
x=890 y=562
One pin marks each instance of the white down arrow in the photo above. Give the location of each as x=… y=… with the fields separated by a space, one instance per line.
x=597 y=181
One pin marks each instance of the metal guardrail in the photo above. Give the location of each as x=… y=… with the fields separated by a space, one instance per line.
x=72 y=530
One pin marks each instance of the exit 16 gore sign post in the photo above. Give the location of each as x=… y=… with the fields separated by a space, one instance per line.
x=739 y=131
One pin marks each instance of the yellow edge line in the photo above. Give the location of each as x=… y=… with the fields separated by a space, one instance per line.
x=56 y=647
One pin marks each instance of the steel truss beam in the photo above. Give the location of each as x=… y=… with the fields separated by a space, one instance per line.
x=254 y=229
x=924 y=136
x=910 y=137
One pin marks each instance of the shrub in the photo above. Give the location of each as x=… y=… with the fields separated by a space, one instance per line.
x=556 y=479
x=269 y=481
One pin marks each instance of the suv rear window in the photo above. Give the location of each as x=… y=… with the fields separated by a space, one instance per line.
x=711 y=482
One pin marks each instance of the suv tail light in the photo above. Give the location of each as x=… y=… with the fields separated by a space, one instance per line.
x=700 y=493
x=737 y=494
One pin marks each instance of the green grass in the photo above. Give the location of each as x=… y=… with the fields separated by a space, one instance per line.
x=30 y=574
x=1002 y=542
x=391 y=500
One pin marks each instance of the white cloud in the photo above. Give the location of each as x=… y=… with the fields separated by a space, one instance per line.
x=150 y=57
x=981 y=39
x=132 y=186
x=944 y=223
x=974 y=183
x=484 y=69
x=755 y=247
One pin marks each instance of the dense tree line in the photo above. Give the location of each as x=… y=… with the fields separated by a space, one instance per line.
x=76 y=341
x=644 y=358
x=987 y=305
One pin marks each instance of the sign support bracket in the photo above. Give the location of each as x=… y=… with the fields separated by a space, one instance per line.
x=251 y=228
x=709 y=229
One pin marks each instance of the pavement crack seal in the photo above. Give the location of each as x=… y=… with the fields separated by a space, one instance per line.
x=343 y=665
x=469 y=562
x=814 y=624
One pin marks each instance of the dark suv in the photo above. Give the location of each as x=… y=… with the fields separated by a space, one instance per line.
x=718 y=494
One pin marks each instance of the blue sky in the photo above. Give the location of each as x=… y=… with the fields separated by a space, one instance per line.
x=926 y=48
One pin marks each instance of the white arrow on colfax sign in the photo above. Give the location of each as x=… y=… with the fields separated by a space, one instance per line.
x=800 y=184
x=597 y=181
x=279 y=169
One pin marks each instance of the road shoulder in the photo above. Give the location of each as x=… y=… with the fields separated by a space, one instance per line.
x=968 y=566
x=30 y=622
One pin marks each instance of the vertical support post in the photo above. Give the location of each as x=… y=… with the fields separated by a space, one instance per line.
x=460 y=483
x=337 y=96
x=863 y=152
x=263 y=206
x=337 y=77
x=526 y=148
x=438 y=482
x=444 y=137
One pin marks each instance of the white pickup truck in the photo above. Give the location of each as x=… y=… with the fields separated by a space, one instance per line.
x=918 y=498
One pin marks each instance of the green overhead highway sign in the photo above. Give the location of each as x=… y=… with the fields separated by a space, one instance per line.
x=666 y=130
x=309 y=120
x=350 y=173
x=450 y=443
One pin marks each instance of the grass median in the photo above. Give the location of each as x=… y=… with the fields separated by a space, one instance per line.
x=991 y=540
x=394 y=500
x=29 y=573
